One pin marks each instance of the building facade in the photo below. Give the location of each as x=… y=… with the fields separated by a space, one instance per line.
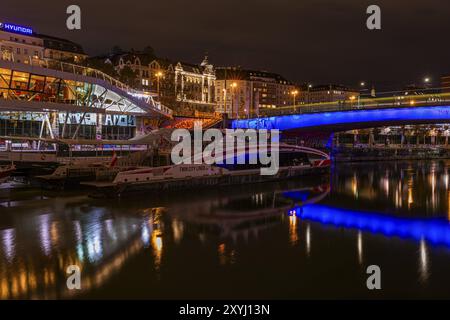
x=30 y=73
x=242 y=93
x=23 y=45
x=184 y=87
x=20 y=44
x=326 y=93
x=62 y=49
x=445 y=83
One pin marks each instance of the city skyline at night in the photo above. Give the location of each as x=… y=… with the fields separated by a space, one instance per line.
x=318 y=42
x=225 y=159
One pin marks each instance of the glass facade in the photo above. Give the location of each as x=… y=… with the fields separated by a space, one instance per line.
x=23 y=86
x=32 y=87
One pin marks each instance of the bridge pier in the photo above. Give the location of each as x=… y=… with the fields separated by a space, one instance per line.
x=371 y=138
x=99 y=126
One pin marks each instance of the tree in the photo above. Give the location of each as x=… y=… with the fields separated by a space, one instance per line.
x=149 y=50
x=117 y=50
x=102 y=66
x=128 y=76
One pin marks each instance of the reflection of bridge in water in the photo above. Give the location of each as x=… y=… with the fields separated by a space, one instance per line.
x=435 y=231
x=243 y=215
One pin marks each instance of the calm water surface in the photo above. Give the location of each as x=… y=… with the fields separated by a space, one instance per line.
x=312 y=238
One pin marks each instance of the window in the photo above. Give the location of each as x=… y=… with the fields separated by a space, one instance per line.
x=18 y=50
x=20 y=80
x=37 y=83
x=5 y=78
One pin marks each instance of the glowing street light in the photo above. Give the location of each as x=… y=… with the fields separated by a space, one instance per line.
x=294 y=94
x=233 y=86
x=159 y=74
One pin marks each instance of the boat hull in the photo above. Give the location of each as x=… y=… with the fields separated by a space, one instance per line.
x=235 y=178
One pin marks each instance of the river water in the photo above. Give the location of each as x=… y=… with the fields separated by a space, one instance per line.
x=312 y=238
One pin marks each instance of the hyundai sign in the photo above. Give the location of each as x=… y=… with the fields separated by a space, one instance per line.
x=15 y=28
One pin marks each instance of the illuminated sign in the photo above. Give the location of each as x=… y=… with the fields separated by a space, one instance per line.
x=15 y=28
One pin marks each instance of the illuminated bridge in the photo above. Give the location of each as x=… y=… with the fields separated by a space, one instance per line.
x=61 y=100
x=367 y=113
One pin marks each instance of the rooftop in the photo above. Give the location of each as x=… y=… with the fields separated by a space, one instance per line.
x=237 y=73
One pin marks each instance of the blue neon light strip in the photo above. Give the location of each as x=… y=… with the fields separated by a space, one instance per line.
x=436 y=231
x=297 y=195
x=297 y=121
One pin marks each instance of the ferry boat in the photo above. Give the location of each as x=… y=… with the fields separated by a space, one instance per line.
x=6 y=172
x=73 y=174
x=294 y=161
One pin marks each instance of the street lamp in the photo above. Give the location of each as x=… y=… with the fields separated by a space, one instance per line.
x=159 y=74
x=352 y=99
x=309 y=87
x=363 y=88
x=427 y=82
x=294 y=94
x=224 y=90
x=233 y=86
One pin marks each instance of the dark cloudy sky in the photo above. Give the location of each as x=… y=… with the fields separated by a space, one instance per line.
x=315 y=41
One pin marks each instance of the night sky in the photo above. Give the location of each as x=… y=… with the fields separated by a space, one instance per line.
x=314 y=41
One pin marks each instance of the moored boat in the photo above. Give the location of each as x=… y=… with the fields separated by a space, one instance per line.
x=293 y=161
x=72 y=174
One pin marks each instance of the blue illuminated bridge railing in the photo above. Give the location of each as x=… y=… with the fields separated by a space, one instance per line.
x=435 y=231
x=346 y=120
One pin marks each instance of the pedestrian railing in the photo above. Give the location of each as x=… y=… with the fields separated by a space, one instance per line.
x=395 y=101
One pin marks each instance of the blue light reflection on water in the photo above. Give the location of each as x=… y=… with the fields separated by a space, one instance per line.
x=435 y=231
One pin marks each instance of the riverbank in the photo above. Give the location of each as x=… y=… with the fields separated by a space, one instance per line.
x=388 y=153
